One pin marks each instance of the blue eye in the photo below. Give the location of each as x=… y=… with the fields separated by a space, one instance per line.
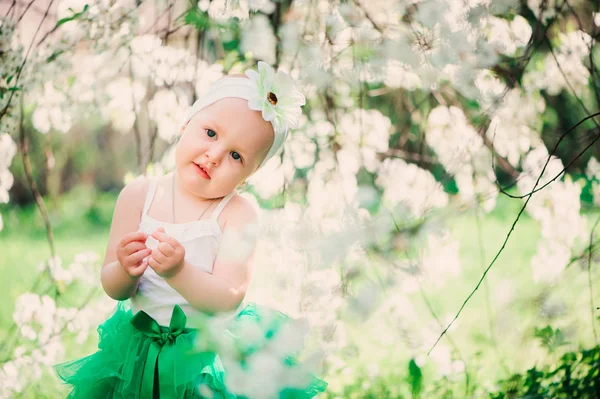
x=211 y=133
x=236 y=155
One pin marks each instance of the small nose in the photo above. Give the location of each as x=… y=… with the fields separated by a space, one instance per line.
x=214 y=155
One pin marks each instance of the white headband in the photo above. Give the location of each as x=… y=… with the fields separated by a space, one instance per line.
x=271 y=93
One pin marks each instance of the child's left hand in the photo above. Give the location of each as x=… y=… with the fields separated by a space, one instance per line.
x=168 y=257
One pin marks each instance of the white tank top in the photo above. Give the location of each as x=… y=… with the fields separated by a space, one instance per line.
x=201 y=242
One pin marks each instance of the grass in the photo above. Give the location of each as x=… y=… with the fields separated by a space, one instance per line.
x=80 y=223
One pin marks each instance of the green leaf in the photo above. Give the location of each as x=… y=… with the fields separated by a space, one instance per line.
x=72 y=17
x=54 y=55
x=415 y=378
x=550 y=339
x=196 y=18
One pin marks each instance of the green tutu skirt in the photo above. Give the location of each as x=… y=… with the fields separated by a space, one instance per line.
x=138 y=358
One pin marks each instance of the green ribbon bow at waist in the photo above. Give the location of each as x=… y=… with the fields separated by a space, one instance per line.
x=163 y=341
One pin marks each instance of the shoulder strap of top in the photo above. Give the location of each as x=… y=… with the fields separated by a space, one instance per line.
x=221 y=205
x=150 y=195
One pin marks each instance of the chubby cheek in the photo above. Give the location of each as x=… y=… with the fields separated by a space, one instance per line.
x=186 y=150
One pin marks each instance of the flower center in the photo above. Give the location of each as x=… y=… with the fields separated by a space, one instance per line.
x=272 y=98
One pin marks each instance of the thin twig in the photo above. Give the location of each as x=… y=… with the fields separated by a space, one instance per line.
x=503 y=190
x=5 y=109
x=512 y=228
x=590 y=286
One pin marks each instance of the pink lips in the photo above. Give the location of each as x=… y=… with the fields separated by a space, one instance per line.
x=202 y=172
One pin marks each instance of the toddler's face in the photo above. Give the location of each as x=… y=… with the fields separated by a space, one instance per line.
x=221 y=146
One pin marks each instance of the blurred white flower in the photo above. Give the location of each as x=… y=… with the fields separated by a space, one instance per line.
x=441 y=260
x=572 y=74
x=35 y=316
x=410 y=185
x=266 y=6
x=365 y=133
x=557 y=208
x=330 y=193
x=521 y=31
x=57 y=271
x=596 y=18
x=125 y=99
x=49 y=114
x=385 y=13
x=431 y=12
x=399 y=75
x=50 y=353
x=514 y=126
x=334 y=25
x=84 y=267
x=543 y=9
x=508 y=36
x=461 y=151
x=442 y=357
x=500 y=7
x=549 y=261
x=270 y=179
x=167 y=109
x=8 y=149
x=302 y=151
x=351 y=14
x=596 y=192
x=258 y=39
x=593 y=169
x=289 y=37
x=222 y=10
x=206 y=75
x=491 y=89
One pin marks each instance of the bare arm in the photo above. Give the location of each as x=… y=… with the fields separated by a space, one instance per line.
x=117 y=282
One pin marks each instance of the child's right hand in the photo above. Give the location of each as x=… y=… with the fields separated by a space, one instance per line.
x=131 y=252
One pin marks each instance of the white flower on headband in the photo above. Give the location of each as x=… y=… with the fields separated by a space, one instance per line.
x=276 y=97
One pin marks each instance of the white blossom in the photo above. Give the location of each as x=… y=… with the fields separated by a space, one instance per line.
x=567 y=71
x=461 y=151
x=50 y=112
x=8 y=149
x=270 y=179
x=410 y=185
x=258 y=39
x=206 y=75
x=440 y=260
x=592 y=170
x=167 y=110
x=222 y=10
x=557 y=208
x=124 y=103
x=514 y=126
x=365 y=133
x=399 y=75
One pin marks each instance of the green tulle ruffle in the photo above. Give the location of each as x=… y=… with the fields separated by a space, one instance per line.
x=137 y=358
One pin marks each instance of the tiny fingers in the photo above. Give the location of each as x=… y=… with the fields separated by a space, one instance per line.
x=159 y=256
x=166 y=249
x=139 y=255
x=135 y=236
x=153 y=263
x=133 y=247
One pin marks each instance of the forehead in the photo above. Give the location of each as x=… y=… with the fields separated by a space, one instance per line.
x=234 y=120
